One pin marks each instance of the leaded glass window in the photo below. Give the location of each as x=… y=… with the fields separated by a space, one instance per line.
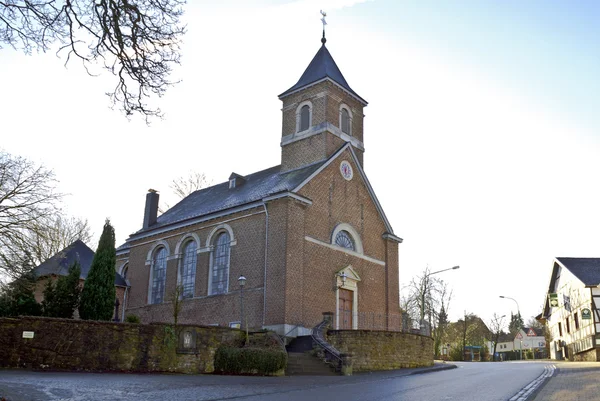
x=124 y=272
x=344 y=239
x=346 y=122
x=304 y=117
x=188 y=269
x=159 y=274
x=220 y=266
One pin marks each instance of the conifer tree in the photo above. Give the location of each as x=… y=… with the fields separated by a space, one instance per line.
x=98 y=295
x=62 y=298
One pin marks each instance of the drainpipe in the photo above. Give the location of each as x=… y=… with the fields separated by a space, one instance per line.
x=265 y=267
x=124 y=304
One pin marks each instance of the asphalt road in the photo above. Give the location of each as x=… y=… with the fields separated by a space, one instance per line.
x=471 y=381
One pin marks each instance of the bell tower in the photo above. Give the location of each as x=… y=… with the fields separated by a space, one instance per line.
x=320 y=114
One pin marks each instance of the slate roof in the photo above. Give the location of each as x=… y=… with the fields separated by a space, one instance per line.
x=220 y=197
x=59 y=264
x=585 y=269
x=322 y=66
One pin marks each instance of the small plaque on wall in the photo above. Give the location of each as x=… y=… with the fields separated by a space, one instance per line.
x=28 y=334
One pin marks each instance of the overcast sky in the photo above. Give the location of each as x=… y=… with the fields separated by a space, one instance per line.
x=482 y=133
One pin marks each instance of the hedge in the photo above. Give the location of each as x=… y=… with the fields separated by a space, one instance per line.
x=230 y=360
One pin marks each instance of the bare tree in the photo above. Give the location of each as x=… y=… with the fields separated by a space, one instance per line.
x=27 y=196
x=186 y=185
x=32 y=227
x=54 y=234
x=138 y=41
x=496 y=325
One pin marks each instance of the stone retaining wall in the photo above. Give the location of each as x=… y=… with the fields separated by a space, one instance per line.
x=383 y=350
x=104 y=346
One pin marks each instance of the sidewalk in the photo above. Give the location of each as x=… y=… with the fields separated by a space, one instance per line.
x=572 y=381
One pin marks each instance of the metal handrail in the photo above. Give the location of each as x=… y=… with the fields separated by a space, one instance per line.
x=319 y=339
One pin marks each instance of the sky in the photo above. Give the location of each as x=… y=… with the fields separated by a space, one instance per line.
x=482 y=132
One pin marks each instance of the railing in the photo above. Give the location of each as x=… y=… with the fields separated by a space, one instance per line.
x=332 y=355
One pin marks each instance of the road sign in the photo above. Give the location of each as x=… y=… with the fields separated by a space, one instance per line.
x=531 y=333
x=519 y=336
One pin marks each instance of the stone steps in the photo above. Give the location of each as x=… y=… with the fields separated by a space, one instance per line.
x=303 y=363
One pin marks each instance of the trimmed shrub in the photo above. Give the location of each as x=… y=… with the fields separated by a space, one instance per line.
x=132 y=319
x=261 y=361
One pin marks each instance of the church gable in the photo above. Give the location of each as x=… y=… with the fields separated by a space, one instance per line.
x=341 y=194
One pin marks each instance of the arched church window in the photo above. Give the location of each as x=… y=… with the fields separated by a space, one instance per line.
x=158 y=275
x=304 y=117
x=345 y=119
x=344 y=239
x=220 y=264
x=124 y=271
x=188 y=269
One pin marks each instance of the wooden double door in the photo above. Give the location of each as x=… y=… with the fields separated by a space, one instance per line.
x=346 y=299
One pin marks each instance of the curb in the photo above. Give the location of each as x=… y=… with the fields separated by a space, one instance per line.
x=446 y=366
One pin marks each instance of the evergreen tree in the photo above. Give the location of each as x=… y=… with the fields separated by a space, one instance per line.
x=98 y=295
x=516 y=323
x=62 y=298
x=18 y=299
x=49 y=301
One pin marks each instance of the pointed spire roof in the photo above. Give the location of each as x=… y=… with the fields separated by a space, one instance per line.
x=320 y=68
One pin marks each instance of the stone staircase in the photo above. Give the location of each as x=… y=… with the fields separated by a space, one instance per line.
x=301 y=360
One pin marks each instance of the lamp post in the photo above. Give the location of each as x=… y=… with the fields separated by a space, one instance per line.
x=519 y=324
x=242 y=282
x=425 y=282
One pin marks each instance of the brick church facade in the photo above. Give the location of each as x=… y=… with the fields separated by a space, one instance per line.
x=309 y=235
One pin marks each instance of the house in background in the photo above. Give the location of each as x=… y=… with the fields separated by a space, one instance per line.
x=58 y=265
x=571 y=309
x=527 y=340
x=308 y=235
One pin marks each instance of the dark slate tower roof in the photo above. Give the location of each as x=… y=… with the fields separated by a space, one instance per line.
x=59 y=264
x=322 y=67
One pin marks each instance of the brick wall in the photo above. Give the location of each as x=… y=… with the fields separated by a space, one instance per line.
x=102 y=346
x=383 y=350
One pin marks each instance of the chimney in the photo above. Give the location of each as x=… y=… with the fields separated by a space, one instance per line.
x=151 y=210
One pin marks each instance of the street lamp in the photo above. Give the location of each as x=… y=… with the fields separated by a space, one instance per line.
x=518 y=324
x=242 y=282
x=425 y=281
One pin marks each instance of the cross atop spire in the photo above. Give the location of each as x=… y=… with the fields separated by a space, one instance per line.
x=324 y=14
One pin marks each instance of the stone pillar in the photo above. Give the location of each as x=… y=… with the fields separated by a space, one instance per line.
x=328 y=316
x=346 y=364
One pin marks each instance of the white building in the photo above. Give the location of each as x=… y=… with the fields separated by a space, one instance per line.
x=570 y=309
x=526 y=340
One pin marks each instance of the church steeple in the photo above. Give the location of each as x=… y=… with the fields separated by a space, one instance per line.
x=321 y=112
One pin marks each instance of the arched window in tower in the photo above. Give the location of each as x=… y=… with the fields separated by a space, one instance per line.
x=158 y=275
x=304 y=117
x=344 y=239
x=188 y=269
x=345 y=119
x=220 y=264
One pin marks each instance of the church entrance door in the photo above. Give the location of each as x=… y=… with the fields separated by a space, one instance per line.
x=345 y=302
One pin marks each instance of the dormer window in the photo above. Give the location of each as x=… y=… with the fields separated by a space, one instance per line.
x=345 y=119
x=303 y=116
x=235 y=180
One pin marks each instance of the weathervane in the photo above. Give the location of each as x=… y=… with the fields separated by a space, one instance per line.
x=324 y=14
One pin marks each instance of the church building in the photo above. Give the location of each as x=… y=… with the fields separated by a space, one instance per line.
x=305 y=237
